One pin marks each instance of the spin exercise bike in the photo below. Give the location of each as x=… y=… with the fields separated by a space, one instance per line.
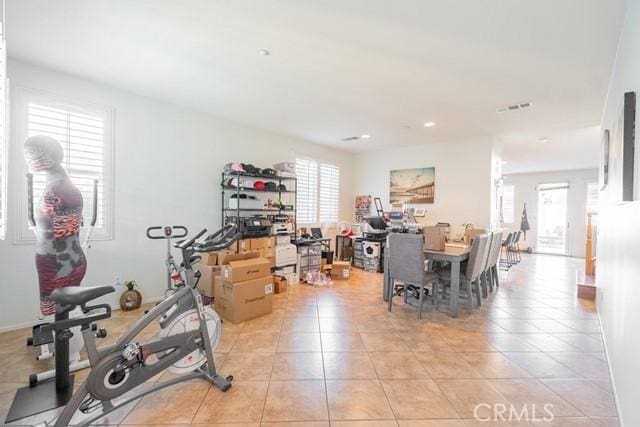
x=169 y=233
x=184 y=345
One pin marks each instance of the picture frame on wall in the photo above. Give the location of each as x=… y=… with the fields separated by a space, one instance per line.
x=604 y=164
x=622 y=150
x=412 y=186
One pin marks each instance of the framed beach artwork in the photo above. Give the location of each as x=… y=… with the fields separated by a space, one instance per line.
x=413 y=186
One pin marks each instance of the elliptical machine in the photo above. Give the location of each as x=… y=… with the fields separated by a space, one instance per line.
x=188 y=335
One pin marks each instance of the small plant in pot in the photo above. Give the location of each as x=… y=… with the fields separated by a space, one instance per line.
x=131 y=298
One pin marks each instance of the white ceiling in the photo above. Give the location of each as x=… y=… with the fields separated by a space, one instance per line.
x=346 y=67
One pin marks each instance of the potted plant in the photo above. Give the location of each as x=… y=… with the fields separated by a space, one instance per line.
x=131 y=298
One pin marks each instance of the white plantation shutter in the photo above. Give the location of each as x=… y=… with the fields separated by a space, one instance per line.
x=85 y=132
x=329 y=192
x=307 y=194
x=508 y=201
x=82 y=139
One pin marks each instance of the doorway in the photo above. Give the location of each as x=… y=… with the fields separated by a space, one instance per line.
x=552 y=227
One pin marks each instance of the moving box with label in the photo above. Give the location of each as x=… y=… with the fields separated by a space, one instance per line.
x=208 y=273
x=340 y=270
x=237 y=302
x=245 y=269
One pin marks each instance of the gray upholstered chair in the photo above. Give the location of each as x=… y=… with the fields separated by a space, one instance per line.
x=407 y=265
x=491 y=272
x=470 y=278
x=482 y=280
x=506 y=262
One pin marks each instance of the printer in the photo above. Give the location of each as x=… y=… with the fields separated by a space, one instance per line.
x=255 y=226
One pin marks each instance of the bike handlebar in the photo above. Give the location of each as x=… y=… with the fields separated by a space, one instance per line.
x=228 y=236
x=185 y=244
x=168 y=232
x=219 y=240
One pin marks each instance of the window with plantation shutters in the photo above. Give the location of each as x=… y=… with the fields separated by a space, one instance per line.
x=329 y=192
x=307 y=191
x=84 y=131
x=318 y=196
x=508 y=201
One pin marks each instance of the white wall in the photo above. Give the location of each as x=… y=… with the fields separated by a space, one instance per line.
x=167 y=170
x=463 y=179
x=525 y=187
x=618 y=252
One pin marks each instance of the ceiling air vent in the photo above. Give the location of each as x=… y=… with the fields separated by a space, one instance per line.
x=514 y=107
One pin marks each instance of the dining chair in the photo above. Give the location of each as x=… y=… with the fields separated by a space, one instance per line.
x=483 y=279
x=505 y=262
x=515 y=247
x=407 y=265
x=491 y=271
x=470 y=278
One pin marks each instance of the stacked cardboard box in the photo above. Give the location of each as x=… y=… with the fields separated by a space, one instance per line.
x=244 y=289
x=265 y=246
x=211 y=265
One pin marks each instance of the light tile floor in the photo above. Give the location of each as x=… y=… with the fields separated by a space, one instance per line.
x=335 y=355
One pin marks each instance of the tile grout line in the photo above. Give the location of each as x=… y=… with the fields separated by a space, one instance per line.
x=324 y=373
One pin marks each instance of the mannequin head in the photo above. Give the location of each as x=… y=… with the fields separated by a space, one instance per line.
x=42 y=153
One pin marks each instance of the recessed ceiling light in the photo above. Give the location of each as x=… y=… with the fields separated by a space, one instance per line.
x=544 y=139
x=264 y=52
x=429 y=124
x=365 y=136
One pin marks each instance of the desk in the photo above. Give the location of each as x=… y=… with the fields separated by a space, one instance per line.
x=454 y=254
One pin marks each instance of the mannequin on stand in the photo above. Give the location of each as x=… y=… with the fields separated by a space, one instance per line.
x=60 y=260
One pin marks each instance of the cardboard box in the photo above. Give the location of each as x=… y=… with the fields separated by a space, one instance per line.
x=245 y=269
x=269 y=252
x=258 y=243
x=340 y=270
x=237 y=302
x=209 y=258
x=226 y=257
x=434 y=238
x=272 y=261
x=241 y=246
x=279 y=284
x=208 y=276
x=471 y=233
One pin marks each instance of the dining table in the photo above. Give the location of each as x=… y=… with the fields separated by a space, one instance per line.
x=453 y=253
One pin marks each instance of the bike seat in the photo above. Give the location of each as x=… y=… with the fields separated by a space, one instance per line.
x=77 y=295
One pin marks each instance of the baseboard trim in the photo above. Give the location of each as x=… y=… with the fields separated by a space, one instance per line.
x=613 y=383
x=114 y=307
